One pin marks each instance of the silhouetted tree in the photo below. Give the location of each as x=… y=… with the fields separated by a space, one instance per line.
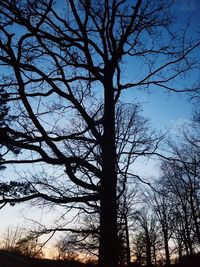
x=19 y=240
x=64 y=65
x=180 y=182
x=125 y=212
x=148 y=233
x=160 y=200
x=184 y=192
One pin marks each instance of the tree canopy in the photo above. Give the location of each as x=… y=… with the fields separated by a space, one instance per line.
x=63 y=77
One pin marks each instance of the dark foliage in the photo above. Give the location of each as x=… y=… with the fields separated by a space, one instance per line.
x=5 y=118
x=193 y=261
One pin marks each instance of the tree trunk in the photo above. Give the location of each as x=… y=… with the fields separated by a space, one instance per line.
x=180 y=251
x=189 y=241
x=148 y=251
x=108 y=247
x=128 y=255
x=185 y=243
x=167 y=255
x=154 y=254
x=194 y=215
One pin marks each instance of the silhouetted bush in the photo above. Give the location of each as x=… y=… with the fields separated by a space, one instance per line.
x=192 y=261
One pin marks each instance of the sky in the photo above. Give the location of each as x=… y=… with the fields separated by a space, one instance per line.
x=164 y=109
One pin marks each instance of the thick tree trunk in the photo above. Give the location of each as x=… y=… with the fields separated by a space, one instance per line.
x=148 y=251
x=167 y=255
x=108 y=248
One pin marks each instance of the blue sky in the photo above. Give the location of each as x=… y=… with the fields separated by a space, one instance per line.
x=167 y=108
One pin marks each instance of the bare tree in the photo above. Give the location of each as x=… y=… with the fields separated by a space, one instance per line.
x=18 y=240
x=160 y=200
x=11 y=238
x=148 y=232
x=62 y=68
x=183 y=188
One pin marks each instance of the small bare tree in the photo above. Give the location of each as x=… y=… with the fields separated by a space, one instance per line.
x=19 y=240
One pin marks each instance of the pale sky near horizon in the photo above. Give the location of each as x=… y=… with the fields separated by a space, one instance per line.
x=162 y=108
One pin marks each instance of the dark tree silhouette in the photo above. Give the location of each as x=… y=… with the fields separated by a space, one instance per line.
x=161 y=203
x=62 y=66
x=5 y=144
x=17 y=240
x=181 y=180
x=148 y=235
